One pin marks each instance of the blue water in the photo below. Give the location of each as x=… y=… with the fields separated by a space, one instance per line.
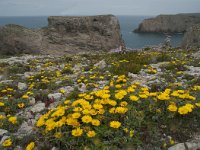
x=127 y=23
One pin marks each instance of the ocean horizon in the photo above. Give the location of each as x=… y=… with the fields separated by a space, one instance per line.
x=127 y=24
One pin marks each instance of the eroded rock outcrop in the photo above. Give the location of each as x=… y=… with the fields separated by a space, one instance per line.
x=192 y=37
x=169 y=23
x=15 y=39
x=63 y=35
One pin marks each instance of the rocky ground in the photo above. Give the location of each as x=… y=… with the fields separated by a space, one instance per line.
x=137 y=100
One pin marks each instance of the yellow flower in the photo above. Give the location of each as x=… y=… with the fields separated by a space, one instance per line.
x=7 y=143
x=86 y=119
x=172 y=107
x=118 y=86
x=4 y=91
x=112 y=110
x=25 y=96
x=77 y=132
x=123 y=104
x=20 y=105
x=125 y=130
x=1 y=104
x=134 y=98
x=163 y=96
x=171 y=141
x=76 y=115
x=115 y=124
x=13 y=120
x=197 y=104
x=30 y=146
x=112 y=102
x=67 y=102
x=59 y=112
x=2 y=117
x=29 y=93
x=58 y=135
x=95 y=122
x=62 y=91
x=131 y=133
x=91 y=133
x=119 y=96
x=121 y=110
x=143 y=96
x=97 y=106
x=185 y=109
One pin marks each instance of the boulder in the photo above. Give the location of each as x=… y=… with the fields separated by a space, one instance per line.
x=191 y=38
x=169 y=23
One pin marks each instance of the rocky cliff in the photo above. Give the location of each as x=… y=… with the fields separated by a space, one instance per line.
x=192 y=37
x=63 y=35
x=169 y=23
x=16 y=39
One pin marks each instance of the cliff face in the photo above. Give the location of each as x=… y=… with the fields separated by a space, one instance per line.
x=191 y=38
x=63 y=35
x=16 y=39
x=169 y=23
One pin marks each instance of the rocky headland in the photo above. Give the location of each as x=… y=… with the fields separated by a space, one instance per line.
x=64 y=34
x=169 y=23
x=192 y=37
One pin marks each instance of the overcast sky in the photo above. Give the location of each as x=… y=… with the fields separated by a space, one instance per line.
x=95 y=7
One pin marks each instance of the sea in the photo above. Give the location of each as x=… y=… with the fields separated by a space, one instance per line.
x=127 y=24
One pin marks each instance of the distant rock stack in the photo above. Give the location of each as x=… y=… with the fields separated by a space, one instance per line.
x=169 y=23
x=64 y=34
x=191 y=38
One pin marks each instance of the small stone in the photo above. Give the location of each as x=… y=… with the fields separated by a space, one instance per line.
x=32 y=101
x=18 y=148
x=22 y=86
x=179 y=146
x=192 y=145
x=67 y=89
x=28 y=115
x=28 y=74
x=58 y=82
x=55 y=96
x=3 y=132
x=7 y=81
x=77 y=68
x=101 y=64
x=82 y=87
x=38 y=107
x=54 y=148
x=54 y=105
x=24 y=129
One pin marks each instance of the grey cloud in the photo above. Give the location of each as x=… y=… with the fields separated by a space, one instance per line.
x=94 y=7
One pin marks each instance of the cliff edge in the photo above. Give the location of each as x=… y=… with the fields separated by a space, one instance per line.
x=169 y=23
x=66 y=34
x=191 y=38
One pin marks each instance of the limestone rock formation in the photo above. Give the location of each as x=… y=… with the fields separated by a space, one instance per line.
x=64 y=34
x=169 y=23
x=191 y=38
x=15 y=39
